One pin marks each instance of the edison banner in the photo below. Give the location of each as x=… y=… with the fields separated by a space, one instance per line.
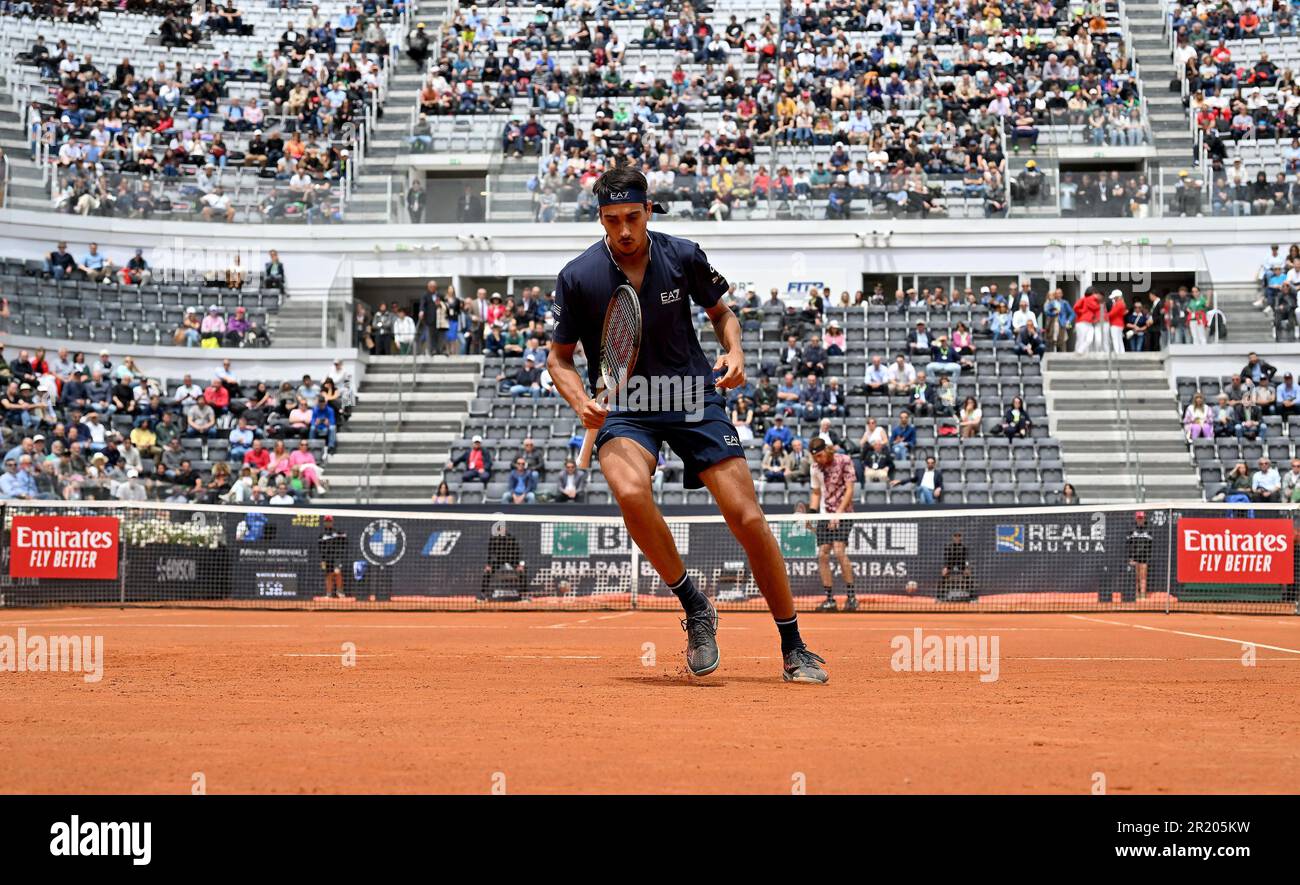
x=1235 y=551
x=63 y=547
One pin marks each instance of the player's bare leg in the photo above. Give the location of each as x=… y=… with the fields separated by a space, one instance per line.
x=627 y=467
x=824 y=552
x=846 y=572
x=828 y=580
x=733 y=489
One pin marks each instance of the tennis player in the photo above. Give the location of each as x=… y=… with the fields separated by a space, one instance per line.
x=832 y=478
x=668 y=274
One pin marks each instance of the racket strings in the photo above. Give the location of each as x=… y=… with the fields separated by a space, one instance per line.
x=622 y=335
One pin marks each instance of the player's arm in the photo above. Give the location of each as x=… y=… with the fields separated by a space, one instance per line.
x=847 y=498
x=732 y=359
x=568 y=383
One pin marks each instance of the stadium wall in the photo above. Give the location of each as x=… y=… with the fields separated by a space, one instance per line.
x=319 y=259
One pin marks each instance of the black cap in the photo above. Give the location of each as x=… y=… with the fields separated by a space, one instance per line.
x=816 y=445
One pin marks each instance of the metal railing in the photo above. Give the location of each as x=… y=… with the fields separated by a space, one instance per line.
x=1131 y=458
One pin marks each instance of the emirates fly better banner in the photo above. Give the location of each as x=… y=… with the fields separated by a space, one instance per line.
x=63 y=547
x=1235 y=551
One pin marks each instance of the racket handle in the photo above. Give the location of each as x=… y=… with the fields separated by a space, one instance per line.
x=588 y=441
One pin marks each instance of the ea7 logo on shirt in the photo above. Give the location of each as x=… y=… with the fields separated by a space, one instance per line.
x=670 y=297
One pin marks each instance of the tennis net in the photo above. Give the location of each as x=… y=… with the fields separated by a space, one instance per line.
x=1212 y=557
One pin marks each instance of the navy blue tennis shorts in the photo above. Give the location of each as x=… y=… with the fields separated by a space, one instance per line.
x=699 y=443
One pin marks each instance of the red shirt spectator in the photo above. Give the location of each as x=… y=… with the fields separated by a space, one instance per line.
x=1087 y=309
x=217 y=396
x=258 y=457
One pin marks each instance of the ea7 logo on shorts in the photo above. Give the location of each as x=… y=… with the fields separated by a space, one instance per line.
x=670 y=297
x=730 y=440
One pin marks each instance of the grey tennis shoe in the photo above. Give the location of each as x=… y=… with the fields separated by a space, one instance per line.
x=801 y=665
x=702 y=655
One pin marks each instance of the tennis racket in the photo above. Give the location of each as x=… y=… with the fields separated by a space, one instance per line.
x=620 y=342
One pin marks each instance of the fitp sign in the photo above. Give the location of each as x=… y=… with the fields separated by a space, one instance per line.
x=71 y=547
x=1235 y=551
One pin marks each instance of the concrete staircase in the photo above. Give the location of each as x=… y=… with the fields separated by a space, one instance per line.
x=25 y=188
x=509 y=198
x=1170 y=125
x=1086 y=414
x=422 y=413
x=1247 y=324
x=296 y=324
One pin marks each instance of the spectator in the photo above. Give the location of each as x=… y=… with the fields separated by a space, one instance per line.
x=918 y=340
x=527 y=380
x=572 y=484
x=60 y=264
x=903 y=437
x=241 y=440
x=237 y=328
x=200 y=420
x=1288 y=398
x=477 y=461
x=902 y=377
x=776 y=463
x=1257 y=368
x=404 y=331
x=95 y=267
x=521 y=485
x=1058 y=320
x=323 y=424
x=971 y=419
x=1250 y=420
x=1137 y=325
x=877 y=380
x=927 y=481
x=1015 y=422
x=877 y=463
x=1266 y=485
x=213 y=325
x=924 y=396
x=1029 y=342
x=273 y=272
x=1291 y=483
x=1198 y=418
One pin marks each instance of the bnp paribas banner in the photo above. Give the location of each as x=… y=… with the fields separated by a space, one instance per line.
x=267 y=555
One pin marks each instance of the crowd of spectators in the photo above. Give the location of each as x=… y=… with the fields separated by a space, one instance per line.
x=915 y=102
x=76 y=429
x=1236 y=96
x=1258 y=391
x=132 y=141
x=1279 y=279
x=797 y=391
x=440 y=322
x=214 y=327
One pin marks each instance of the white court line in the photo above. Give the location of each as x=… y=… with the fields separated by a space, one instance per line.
x=1290 y=651
x=551 y=657
x=618 y=615
x=297 y=655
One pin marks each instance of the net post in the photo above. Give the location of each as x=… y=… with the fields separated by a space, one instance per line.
x=635 y=557
x=121 y=566
x=1169 y=560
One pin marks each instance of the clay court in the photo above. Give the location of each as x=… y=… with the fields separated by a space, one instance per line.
x=570 y=702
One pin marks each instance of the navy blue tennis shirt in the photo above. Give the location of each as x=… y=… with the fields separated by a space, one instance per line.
x=678 y=273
